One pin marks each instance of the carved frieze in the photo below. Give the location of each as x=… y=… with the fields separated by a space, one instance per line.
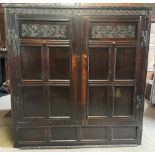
x=79 y=11
x=44 y=30
x=113 y=31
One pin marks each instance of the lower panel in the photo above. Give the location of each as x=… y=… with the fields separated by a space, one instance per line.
x=76 y=135
x=31 y=134
x=127 y=133
x=63 y=134
x=94 y=133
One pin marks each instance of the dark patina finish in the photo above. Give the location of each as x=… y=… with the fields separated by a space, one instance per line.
x=77 y=73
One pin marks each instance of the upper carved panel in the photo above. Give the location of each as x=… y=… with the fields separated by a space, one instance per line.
x=44 y=30
x=122 y=31
x=90 y=11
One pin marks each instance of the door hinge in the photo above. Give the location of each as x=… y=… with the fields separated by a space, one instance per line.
x=145 y=66
x=10 y=36
x=139 y=101
x=16 y=102
x=145 y=38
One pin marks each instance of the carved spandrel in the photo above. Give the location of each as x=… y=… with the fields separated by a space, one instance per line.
x=113 y=31
x=44 y=30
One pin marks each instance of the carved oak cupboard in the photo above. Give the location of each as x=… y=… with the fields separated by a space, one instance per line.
x=77 y=73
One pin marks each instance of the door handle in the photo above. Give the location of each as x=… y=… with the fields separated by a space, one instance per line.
x=84 y=72
x=84 y=60
x=74 y=61
x=85 y=56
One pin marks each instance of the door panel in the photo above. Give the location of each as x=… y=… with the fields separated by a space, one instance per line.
x=124 y=102
x=125 y=63
x=34 y=104
x=60 y=101
x=64 y=134
x=31 y=62
x=98 y=101
x=93 y=133
x=129 y=132
x=59 y=61
x=98 y=63
x=49 y=28
x=31 y=134
x=103 y=29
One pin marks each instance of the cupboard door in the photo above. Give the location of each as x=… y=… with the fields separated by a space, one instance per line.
x=48 y=61
x=111 y=69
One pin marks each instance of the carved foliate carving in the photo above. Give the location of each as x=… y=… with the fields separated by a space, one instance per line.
x=44 y=30
x=75 y=11
x=113 y=31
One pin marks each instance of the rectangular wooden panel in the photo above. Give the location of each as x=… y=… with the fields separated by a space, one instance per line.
x=124 y=132
x=124 y=101
x=98 y=103
x=34 y=104
x=125 y=63
x=64 y=133
x=31 y=62
x=31 y=134
x=94 y=133
x=104 y=29
x=59 y=61
x=44 y=29
x=98 y=63
x=60 y=101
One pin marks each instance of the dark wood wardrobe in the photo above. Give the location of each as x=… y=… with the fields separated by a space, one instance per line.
x=77 y=73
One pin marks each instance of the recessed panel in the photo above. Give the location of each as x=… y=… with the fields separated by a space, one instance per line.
x=63 y=133
x=98 y=63
x=92 y=133
x=59 y=61
x=123 y=104
x=34 y=104
x=97 y=101
x=128 y=132
x=60 y=101
x=125 y=63
x=31 y=62
x=44 y=30
x=31 y=134
x=113 y=30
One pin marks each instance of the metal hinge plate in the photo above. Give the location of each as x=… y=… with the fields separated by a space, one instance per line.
x=139 y=101
x=144 y=35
